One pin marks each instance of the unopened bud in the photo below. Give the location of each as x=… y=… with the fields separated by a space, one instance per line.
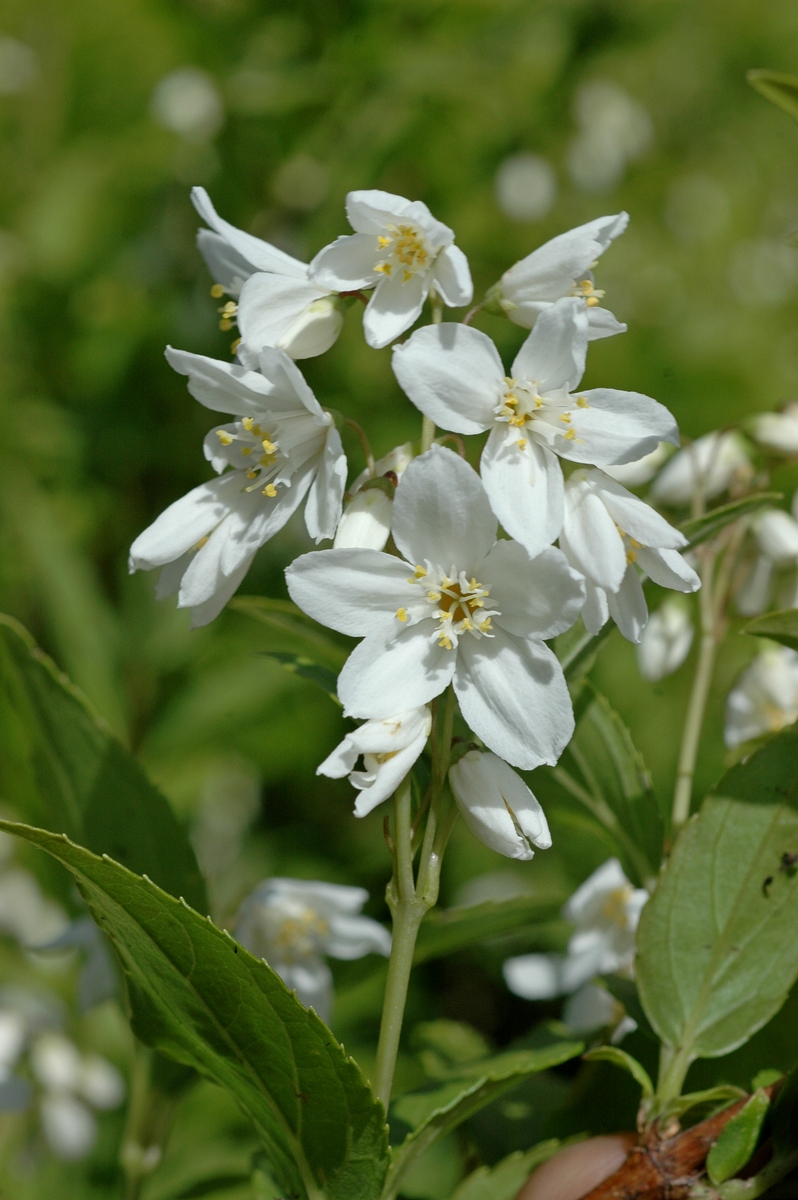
x=666 y=640
x=709 y=464
x=778 y=431
x=315 y=329
x=497 y=806
x=366 y=522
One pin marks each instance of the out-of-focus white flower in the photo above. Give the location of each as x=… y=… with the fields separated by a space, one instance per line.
x=389 y=749
x=69 y=1126
x=778 y=431
x=400 y=250
x=68 y=1080
x=614 y=130
x=497 y=806
x=301 y=183
x=25 y=912
x=100 y=1083
x=293 y=922
x=592 y=1007
x=526 y=187
x=606 y=533
x=19 y=66
x=454 y=375
x=366 y=521
x=562 y=267
x=282 y=448
x=458 y=607
x=605 y=911
x=635 y=474
x=712 y=463
x=666 y=640
x=775 y=568
x=187 y=102
x=763 y=273
x=765 y=696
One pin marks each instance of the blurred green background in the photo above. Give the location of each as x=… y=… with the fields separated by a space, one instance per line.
x=514 y=120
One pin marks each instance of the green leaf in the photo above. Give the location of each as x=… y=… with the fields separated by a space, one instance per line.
x=778 y=626
x=306 y=668
x=778 y=88
x=447 y=930
x=699 y=529
x=765 y=1077
x=614 y=1054
x=505 y=1180
x=61 y=769
x=717 y=951
x=577 y=649
x=201 y=999
x=738 y=1139
x=446 y=1045
x=287 y=620
x=443 y=1106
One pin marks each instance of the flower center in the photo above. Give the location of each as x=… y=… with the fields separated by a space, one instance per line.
x=631 y=545
x=252 y=449
x=584 y=288
x=614 y=907
x=297 y=936
x=456 y=604
x=405 y=252
x=523 y=408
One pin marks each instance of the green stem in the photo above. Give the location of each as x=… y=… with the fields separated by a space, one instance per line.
x=428 y=426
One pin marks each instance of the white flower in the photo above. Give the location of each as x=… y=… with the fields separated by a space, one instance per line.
x=606 y=531
x=389 y=748
x=282 y=448
x=666 y=640
x=764 y=698
x=712 y=463
x=278 y=305
x=458 y=607
x=497 y=806
x=453 y=373
x=400 y=250
x=592 y=1007
x=635 y=474
x=68 y=1079
x=291 y=923
x=776 y=536
x=366 y=521
x=563 y=267
x=778 y=431
x=605 y=911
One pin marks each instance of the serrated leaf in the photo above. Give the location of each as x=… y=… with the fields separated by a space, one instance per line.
x=778 y=626
x=306 y=668
x=505 y=1180
x=626 y=1062
x=699 y=529
x=62 y=769
x=442 y=1107
x=201 y=999
x=286 y=619
x=447 y=930
x=717 y=952
x=777 y=87
x=737 y=1140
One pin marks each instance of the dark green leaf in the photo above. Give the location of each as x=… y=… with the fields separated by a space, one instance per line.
x=447 y=930
x=621 y=1059
x=738 y=1139
x=201 y=999
x=699 y=529
x=785 y=1116
x=778 y=88
x=305 y=668
x=505 y=1180
x=290 y=623
x=778 y=626
x=61 y=769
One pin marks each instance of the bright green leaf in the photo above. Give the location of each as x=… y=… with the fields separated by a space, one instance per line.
x=699 y=529
x=614 y=1054
x=306 y=668
x=201 y=999
x=61 y=769
x=778 y=88
x=716 y=1097
x=765 y=1077
x=505 y=1180
x=447 y=930
x=778 y=626
x=738 y=1139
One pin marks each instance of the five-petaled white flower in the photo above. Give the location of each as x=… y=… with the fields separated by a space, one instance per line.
x=389 y=748
x=606 y=531
x=459 y=607
x=293 y=922
x=562 y=267
x=277 y=303
x=400 y=250
x=497 y=806
x=281 y=448
x=666 y=640
x=765 y=697
x=453 y=373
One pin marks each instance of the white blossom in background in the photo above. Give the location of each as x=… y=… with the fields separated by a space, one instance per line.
x=774 y=570
x=605 y=911
x=277 y=304
x=778 y=430
x=454 y=375
x=366 y=520
x=614 y=129
x=72 y=1085
x=188 y=103
x=525 y=187
x=765 y=697
x=401 y=251
x=281 y=449
x=389 y=748
x=607 y=533
x=635 y=474
x=458 y=607
x=26 y=914
x=497 y=806
x=592 y=1007
x=559 y=268
x=293 y=923
x=713 y=462
x=666 y=640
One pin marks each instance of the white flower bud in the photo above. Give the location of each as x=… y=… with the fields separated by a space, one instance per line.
x=778 y=431
x=666 y=640
x=100 y=1082
x=69 y=1126
x=366 y=522
x=776 y=533
x=711 y=463
x=56 y=1062
x=314 y=330
x=635 y=474
x=497 y=806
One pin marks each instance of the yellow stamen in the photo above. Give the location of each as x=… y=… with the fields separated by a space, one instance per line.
x=224 y=437
x=248 y=422
x=582 y=403
x=570 y=436
x=217 y=291
x=268 y=446
x=201 y=542
x=401 y=614
x=245 y=450
x=269 y=490
x=521 y=443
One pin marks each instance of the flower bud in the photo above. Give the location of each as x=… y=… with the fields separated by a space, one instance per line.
x=776 y=533
x=778 y=431
x=315 y=329
x=710 y=463
x=497 y=806
x=666 y=640
x=366 y=522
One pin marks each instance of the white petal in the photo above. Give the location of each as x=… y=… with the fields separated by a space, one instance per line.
x=714 y=460
x=315 y=330
x=354 y=591
x=69 y=1126
x=666 y=640
x=668 y=569
x=453 y=374
x=453 y=278
x=776 y=533
x=590 y=538
x=601 y=323
x=634 y=516
x=617 y=427
x=341 y=761
x=394 y=305
x=584 y=906
x=550 y=271
x=535 y=976
x=371 y=211
x=537 y=597
x=390 y=671
x=270 y=304
x=323 y=509
x=260 y=254
x=596 y=612
x=352 y=937
x=497 y=806
x=441 y=512
x=628 y=607
x=267 y=517
x=525 y=488
x=366 y=521
x=754 y=596
x=205 y=572
x=221 y=386
x=635 y=474
x=203 y=614
x=225 y=265
x=347 y=264
x=183 y=524
x=377 y=785
x=288 y=387
x=554 y=353
x=512 y=693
